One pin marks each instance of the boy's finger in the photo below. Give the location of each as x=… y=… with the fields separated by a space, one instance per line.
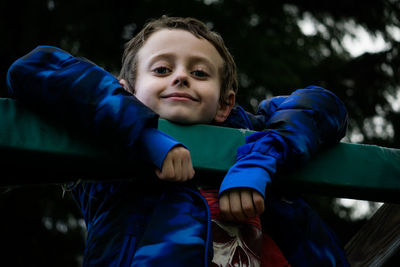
x=186 y=169
x=158 y=173
x=246 y=199
x=181 y=162
x=224 y=207
x=191 y=170
x=258 y=201
x=236 y=206
x=167 y=172
x=177 y=166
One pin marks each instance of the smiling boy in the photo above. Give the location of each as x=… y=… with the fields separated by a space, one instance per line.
x=181 y=71
x=178 y=76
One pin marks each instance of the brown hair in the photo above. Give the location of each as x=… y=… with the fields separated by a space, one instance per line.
x=198 y=29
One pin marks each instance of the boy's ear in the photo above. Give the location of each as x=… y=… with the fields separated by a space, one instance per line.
x=124 y=84
x=224 y=110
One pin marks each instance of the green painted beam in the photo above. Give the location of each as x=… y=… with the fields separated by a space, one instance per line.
x=34 y=150
x=345 y=170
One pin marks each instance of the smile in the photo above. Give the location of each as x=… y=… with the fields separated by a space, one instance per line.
x=180 y=97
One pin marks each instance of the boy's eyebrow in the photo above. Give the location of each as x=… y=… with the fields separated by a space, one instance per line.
x=192 y=60
x=160 y=56
x=203 y=60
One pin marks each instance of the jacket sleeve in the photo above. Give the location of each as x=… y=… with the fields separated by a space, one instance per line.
x=295 y=128
x=73 y=89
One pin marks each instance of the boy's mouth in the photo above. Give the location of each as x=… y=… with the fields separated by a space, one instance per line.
x=180 y=96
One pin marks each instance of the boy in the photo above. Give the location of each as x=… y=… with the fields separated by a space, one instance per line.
x=182 y=71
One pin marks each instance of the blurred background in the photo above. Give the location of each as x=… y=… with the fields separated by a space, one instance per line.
x=348 y=46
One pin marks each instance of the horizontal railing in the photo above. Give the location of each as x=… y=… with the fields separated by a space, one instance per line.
x=37 y=150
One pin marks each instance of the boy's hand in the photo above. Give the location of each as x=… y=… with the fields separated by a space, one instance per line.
x=241 y=204
x=177 y=166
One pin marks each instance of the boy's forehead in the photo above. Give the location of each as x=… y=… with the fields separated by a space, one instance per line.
x=179 y=42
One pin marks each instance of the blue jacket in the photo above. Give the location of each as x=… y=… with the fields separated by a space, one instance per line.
x=151 y=223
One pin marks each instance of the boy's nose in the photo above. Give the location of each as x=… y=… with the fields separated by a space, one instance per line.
x=180 y=79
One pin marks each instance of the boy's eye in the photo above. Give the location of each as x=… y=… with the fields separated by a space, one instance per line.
x=200 y=73
x=161 y=70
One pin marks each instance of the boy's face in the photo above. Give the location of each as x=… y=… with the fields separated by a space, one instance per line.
x=178 y=78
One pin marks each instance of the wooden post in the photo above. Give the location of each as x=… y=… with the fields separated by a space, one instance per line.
x=377 y=240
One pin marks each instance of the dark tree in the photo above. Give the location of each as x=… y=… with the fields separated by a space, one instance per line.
x=274 y=57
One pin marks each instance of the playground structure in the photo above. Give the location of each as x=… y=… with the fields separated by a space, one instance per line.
x=55 y=153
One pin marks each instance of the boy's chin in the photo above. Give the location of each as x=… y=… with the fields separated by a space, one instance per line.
x=185 y=120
